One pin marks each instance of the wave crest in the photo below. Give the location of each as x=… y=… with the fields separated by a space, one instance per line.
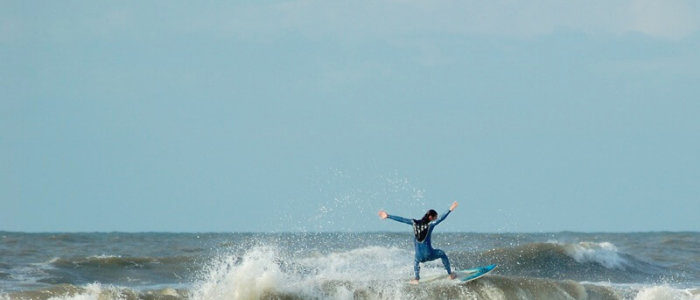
x=584 y=261
x=605 y=254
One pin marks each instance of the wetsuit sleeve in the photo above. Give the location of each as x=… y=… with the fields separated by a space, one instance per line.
x=442 y=218
x=400 y=219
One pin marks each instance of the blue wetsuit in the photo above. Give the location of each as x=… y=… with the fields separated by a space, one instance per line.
x=424 y=250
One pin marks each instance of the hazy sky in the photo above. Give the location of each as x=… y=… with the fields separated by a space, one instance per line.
x=313 y=115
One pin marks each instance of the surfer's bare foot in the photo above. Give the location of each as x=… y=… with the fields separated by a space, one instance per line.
x=453 y=276
x=414 y=281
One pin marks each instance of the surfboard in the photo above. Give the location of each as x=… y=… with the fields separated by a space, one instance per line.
x=464 y=275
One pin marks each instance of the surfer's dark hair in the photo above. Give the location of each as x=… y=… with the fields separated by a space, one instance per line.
x=426 y=217
x=421 y=227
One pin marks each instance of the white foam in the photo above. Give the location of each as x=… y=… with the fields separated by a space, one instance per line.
x=104 y=256
x=336 y=275
x=603 y=253
x=256 y=274
x=667 y=293
x=53 y=260
x=93 y=291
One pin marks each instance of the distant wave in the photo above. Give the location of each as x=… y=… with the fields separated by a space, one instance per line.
x=605 y=254
x=108 y=268
x=95 y=291
x=578 y=261
x=111 y=261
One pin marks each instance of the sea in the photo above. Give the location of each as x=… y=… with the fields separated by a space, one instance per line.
x=372 y=265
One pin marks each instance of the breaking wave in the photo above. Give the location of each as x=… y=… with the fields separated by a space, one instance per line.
x=583 y=261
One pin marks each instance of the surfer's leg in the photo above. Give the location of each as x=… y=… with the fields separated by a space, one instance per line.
x=416 y=268
x=422 y=255
x=445 y=261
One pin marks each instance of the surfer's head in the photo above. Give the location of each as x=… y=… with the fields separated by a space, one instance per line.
x=429 y=216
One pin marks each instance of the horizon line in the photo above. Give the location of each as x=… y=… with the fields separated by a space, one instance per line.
x=340 y=232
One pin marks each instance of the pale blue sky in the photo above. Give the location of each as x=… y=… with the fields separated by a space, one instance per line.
x=313 y=115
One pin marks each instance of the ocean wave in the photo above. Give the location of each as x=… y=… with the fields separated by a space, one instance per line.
x=373 y=272
x=95 y=291
x=132 y=271
x=584 y=261
x=605 y=254
x=116 y=261
x=348 y=267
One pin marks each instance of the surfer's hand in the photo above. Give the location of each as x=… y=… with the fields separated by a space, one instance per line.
x=454 y=205
x=383 y=214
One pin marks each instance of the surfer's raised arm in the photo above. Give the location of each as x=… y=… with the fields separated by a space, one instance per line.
x=442 y=218
x=384 y=215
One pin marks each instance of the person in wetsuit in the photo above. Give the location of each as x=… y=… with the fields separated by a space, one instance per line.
x=422 y=229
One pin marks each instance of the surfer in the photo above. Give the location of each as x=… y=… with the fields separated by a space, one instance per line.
x=422 y=229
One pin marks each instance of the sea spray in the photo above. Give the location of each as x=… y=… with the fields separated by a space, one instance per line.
x=267 y=270
x=247 y=277
x=667 y=293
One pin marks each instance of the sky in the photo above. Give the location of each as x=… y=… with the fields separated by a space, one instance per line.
x=303 y=115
